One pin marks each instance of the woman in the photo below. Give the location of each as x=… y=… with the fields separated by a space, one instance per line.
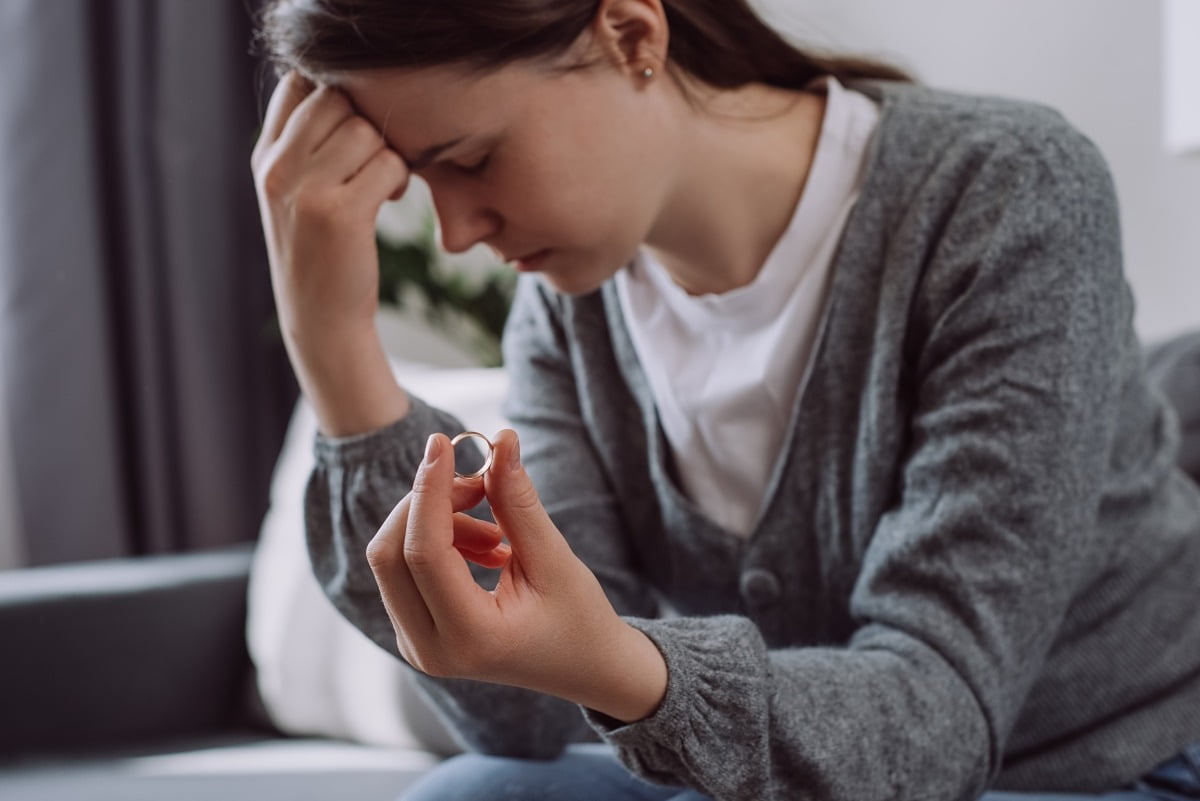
x=850 y=484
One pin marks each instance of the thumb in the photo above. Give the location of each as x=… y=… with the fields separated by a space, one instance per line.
x=517 y=508
x=430 y=534
x=437 y=568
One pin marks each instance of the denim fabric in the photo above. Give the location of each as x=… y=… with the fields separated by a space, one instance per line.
x=1177 y=779
x=584 y=773
x=592 y=773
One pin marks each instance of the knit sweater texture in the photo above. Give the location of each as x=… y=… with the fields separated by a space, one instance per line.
x=977 y=565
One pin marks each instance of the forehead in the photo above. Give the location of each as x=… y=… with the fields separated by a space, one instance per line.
x=411 y=106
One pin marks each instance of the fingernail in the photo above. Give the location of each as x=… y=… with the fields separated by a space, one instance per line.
x=514 y=455
x=433 y=449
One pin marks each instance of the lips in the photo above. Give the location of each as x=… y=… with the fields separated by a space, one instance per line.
x=532 y=261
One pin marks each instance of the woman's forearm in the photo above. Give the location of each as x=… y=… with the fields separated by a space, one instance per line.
x=348 y=381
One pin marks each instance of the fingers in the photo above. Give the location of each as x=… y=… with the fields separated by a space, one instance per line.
x=324 y=133
x=289 y=92
x=418 y=556
x=475 y=535
x=476 y=540
x=316 y=133
x=480 y=541
x=343 y=147
x=436 y=566
x=346 y=147
x=403 y=602
x=314 y=119
x=465 y=494
x=282 y=161
x=519 y=511
x=383 y=177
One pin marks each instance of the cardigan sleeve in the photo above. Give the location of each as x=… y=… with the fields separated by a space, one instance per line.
x=1019 y=325
x=357 y=480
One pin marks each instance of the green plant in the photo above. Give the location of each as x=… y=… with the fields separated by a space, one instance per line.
x=468 y=306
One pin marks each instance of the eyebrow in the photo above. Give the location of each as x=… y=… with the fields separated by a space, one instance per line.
x=426 y=156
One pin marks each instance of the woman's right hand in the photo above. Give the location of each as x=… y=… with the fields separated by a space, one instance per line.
x=322 y=171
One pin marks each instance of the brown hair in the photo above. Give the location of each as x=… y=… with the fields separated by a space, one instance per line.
x=723 y=43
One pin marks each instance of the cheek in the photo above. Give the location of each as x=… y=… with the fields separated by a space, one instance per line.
x=586 y=198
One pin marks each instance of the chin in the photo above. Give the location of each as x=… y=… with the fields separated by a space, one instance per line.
x=581 y=280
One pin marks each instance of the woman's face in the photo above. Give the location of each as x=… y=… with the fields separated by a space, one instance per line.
x=569 y=168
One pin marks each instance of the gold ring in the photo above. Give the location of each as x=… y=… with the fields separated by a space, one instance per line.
x=487 y=462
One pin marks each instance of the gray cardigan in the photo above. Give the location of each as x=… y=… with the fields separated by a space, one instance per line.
x=977 y=564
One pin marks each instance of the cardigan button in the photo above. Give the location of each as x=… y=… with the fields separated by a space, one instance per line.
x=759 y=587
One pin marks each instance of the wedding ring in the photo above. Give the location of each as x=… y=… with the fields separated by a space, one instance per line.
x=487 y=462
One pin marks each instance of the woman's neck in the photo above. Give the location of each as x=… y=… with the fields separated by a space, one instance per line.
x=744 y=161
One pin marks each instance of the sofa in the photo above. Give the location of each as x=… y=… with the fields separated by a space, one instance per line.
x=216 y=674
x=130 y=679
x=175 y=677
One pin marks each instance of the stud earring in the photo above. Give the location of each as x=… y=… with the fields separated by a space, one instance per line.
x=648 y=73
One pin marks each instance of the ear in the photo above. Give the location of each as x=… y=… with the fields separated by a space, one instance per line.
x=632 y=34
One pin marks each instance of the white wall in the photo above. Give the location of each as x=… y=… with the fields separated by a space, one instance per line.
x=1181 y=86
x=1097 y=61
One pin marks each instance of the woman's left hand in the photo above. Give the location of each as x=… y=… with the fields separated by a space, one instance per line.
x=547 y=626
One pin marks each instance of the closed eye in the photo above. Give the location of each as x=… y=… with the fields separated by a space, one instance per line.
x=476 y=167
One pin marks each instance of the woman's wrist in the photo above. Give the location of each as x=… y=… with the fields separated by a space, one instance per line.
x=630 y=677
x=349 y=382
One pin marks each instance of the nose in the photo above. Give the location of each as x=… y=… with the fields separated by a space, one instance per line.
x=463 y=220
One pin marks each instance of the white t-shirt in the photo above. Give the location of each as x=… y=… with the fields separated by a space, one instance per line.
x=725 y=370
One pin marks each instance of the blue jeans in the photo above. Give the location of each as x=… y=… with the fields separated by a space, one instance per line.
x=592 y=773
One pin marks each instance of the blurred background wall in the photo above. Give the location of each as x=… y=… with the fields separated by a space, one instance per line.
x=1099 y=62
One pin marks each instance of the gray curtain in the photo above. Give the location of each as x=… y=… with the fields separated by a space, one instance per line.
x=146 y=387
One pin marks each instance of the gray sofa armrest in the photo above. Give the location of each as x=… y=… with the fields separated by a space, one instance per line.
x=104 y=653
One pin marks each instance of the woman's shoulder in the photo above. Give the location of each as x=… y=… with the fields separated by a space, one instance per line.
x=925 y=112
x=936 y=148
x=927 y=126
